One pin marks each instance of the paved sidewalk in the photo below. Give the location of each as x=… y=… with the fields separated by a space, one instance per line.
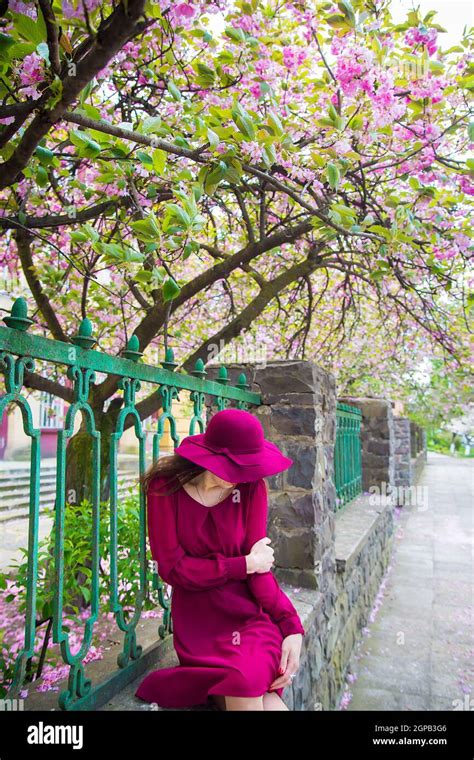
x=418 y=651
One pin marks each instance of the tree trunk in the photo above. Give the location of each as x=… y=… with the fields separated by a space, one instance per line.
x=79 y=472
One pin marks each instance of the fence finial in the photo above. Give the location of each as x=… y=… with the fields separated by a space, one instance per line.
x=199 y=370
x=84 y=337
x=18 y=318
x=242 y=381
x=132 y=349
x=169 y=362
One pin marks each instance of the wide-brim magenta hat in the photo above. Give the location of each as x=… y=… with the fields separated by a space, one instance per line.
x=234 y=448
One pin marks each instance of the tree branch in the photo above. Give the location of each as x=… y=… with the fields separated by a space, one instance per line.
x=52 y=34
x=39 y=383
x=60 y=220
x=124 y=23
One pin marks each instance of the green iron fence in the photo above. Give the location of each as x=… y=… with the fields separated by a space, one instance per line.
x=18 y=352
x=347 y=453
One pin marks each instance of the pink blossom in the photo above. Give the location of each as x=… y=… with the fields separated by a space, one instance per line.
x=466 y=185
x=32 y=72
x=248 y=23
x=28 y=9
x=252 y=149
x=255 y=89
x=184 y=9
x=422 y=36
x=69 y=11
x=293 y=57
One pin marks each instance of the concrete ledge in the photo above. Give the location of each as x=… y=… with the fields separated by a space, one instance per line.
x=308 y=605
x=355 y=522
x=107 y=678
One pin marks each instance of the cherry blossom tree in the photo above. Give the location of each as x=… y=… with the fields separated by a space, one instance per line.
x=205 y=173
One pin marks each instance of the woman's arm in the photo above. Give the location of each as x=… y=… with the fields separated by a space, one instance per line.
x=175 y=566
x=264 y=586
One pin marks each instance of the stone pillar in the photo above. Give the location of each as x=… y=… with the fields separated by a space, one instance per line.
x=377 y=439
x=298 y=414
x=403 y=473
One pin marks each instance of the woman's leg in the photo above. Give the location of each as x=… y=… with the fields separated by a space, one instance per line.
x=272 y=701
x=243 y=703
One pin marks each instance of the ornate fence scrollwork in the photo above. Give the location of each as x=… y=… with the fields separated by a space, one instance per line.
x=18 y=352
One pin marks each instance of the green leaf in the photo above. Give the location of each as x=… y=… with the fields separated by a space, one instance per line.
x=180 y=214
x=174 y=91
x=357 y=122
x=33 y=30
x=145 y=158
x=206 y=71
x=333 y=175
x=275 y=123
x=181 y=142
x=170 y=289
x=87 y=147
x=18 y=50
x=235 y=33
x=269 y=155
x=213 y=138
x=338 y=22
x=43 y=50
x=6 y=43
x=243 y=122
x=377 y=274
x=150 y=124
x=470 y=131
x=332 y=112
x=214 y=176
x=348 y=11
x=45 y=155
x=93 y=113
x=325 y=121
x=147 y=229
x=234 y=170
x=85 y=593
x=159 y=160
x=143 y=277
x=379 y=230
x=42 y=176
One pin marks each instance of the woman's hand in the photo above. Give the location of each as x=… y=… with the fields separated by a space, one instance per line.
x=290 y=660
x=260 y=558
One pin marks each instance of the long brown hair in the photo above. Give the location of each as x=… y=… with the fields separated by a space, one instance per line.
x=175 y=468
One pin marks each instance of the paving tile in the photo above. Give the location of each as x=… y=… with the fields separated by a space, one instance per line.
x=418 y=654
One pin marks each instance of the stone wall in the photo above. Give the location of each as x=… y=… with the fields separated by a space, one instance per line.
x=410 y=453
x=364 y=540
x=403 y=475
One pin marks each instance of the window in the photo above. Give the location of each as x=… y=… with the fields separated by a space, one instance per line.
x=51 y=411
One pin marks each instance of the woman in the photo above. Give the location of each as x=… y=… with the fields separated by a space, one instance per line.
x=237 y=635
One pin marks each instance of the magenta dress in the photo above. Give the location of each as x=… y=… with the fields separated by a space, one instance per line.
x=228 y=625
